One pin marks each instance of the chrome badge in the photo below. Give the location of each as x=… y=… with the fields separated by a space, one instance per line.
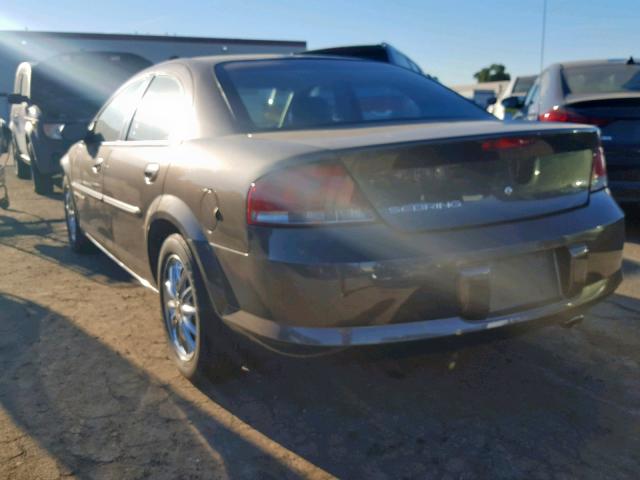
x=508 y=190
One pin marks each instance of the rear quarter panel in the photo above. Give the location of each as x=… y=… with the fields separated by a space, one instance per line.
x=216 y=174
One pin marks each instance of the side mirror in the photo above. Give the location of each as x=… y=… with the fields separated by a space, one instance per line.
x=16 y=99
x=513 y=103
x=492 y=101
x=91 y=137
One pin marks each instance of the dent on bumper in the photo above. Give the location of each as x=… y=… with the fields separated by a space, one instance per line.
x=404 y=332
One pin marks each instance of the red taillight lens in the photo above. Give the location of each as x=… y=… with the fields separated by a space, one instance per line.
x=506 y=143
x=321 y=193
x=562 y=115
x=599 y=170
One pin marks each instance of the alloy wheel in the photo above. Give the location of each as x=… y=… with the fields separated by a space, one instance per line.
x=179 y=309
x=70 y=215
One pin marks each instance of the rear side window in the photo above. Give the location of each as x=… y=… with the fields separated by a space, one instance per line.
x=291 y=94
x=112 y=119
x=604 y=78
x=160 y=112
x=523 y=84
x=532 y=94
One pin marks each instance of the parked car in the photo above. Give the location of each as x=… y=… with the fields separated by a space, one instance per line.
x=52 y=103
x=323 y=202
x=5 y=137
x=518 y=87
x=604 y=93
x=382 y=52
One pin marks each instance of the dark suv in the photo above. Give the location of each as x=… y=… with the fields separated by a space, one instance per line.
x=52 y=103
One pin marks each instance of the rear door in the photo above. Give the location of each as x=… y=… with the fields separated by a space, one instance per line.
x=90 y=156
x=136 y=167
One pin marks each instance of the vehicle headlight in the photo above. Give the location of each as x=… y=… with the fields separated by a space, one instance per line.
x=53 y=130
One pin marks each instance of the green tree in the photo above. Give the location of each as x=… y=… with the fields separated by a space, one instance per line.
x=494 y=73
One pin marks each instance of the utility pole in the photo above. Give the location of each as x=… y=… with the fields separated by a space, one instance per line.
x=544 y=31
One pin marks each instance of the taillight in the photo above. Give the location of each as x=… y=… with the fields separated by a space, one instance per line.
x=558 y=114
x=506 y=143
x=598 y=170
x=319 y=193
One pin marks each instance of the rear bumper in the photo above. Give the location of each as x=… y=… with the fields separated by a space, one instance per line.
x=405 y=332
x=370 y=285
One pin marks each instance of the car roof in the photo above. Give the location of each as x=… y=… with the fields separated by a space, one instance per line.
x=212 y=60
x=594 y=63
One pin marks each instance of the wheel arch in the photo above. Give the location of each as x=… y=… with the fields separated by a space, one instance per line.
x=168 y=215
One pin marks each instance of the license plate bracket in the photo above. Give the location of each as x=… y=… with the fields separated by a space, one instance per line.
x=524 y=280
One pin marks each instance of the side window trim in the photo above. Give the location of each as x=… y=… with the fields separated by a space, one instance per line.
x=127 y=125
x=145 y=85
x=125 y=137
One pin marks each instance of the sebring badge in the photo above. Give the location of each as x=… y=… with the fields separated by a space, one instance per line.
x=508 y=190
x=423 y=207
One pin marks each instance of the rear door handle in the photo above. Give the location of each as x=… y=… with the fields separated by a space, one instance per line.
x=97 y=166
x=151 y=172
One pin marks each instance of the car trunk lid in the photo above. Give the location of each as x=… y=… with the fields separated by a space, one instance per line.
x=618 y=116
x=459 y=183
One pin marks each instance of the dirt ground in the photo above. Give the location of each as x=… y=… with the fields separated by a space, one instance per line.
x=87 y=389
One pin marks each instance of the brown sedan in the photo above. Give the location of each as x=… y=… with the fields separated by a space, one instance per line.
x=327 y=202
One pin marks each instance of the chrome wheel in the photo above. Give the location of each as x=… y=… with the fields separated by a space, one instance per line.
x=179 y=309
x=70 y=215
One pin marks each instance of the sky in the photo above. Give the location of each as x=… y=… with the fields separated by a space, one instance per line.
x=450 y=39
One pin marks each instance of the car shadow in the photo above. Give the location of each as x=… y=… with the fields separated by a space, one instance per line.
x=95 y=265
x=98 y=415
x=504 y=404
x=519 y=402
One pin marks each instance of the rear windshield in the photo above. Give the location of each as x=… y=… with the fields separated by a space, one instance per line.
x=288 y=94
x=605 y=78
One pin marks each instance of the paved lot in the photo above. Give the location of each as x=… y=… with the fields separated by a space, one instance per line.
x=87 y=389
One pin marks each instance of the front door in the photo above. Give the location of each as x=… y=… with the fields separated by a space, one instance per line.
x=90 y=160
x=86 y=184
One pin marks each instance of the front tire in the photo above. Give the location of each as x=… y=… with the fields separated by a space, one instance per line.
x=78 y=242
x=22 y=170
x=200 y=345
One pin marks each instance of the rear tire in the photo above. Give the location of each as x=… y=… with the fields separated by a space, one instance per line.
x=22 y=170
x=200 y=344
x=78 y=242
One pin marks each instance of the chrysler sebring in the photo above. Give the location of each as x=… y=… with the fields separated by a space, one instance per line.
x=326 y=202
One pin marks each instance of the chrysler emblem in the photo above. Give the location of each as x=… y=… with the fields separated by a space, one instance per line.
x=508 y=190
